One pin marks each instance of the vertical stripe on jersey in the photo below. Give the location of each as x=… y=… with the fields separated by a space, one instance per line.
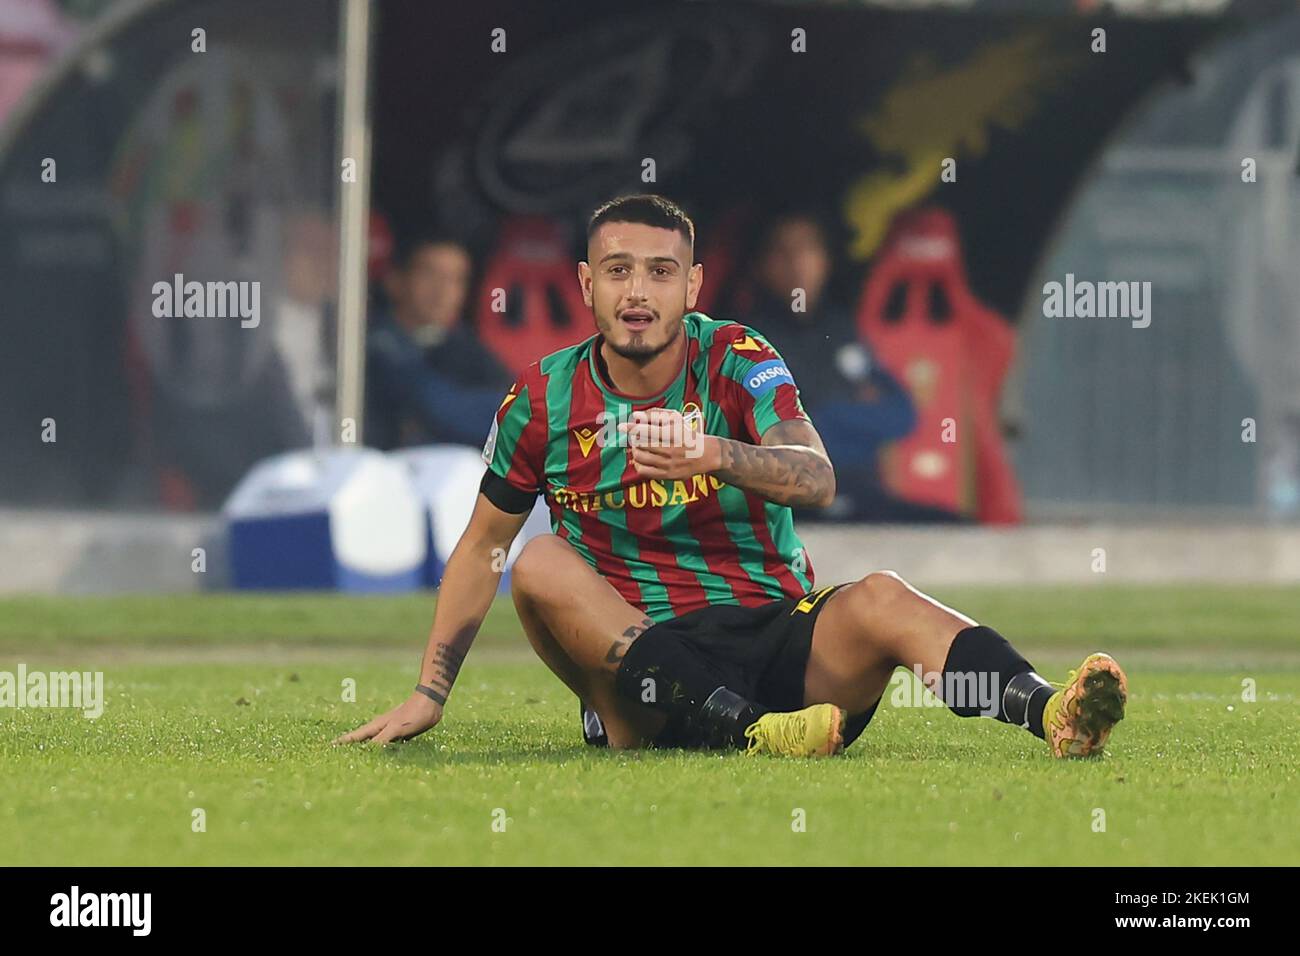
x=559 y=394
x=727 y=559
x=508 y=459
x=623 y=544
x=582 y=476
x=679 y=584
x=786 y=543
x=688 y=548
x=748 y=528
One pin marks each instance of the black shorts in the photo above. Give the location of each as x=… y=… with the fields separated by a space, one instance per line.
x=760 y=653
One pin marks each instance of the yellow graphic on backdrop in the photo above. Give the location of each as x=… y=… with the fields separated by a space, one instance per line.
x=934 y=113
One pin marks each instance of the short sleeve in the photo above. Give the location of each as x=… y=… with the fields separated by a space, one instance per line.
x=762 y=384
x=514 y=451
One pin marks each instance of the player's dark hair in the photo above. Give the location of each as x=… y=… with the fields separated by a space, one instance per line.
x=646 y=208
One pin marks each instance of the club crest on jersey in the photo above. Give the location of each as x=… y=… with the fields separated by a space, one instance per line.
x=765 y=376
x=586 y=438
x=692 y=417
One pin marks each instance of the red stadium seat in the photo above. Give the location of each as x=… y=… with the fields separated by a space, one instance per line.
x=544 y=310
x=925 y=326
x=719 y=250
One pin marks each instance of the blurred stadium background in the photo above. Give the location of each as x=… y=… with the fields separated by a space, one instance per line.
x=129 y=440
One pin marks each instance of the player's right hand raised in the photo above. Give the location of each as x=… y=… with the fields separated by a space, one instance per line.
x=416 y=715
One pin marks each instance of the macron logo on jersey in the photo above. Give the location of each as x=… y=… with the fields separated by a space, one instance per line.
x=765 y=376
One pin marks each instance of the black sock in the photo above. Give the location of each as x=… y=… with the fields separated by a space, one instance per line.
x=985 y=675
x=662 y=671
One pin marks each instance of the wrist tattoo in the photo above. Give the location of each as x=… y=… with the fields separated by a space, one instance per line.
x=446 y=665
x=432 y=694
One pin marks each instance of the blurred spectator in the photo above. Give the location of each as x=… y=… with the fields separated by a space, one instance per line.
x=33 y=33
x=429 y=379
x=856 y=405
x=304 y=333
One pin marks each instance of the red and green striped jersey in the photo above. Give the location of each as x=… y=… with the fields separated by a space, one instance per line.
x=668 y=547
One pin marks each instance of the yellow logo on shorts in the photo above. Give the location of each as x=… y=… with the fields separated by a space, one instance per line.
x=809 y=602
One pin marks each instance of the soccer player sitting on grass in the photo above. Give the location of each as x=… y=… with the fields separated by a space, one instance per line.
x=674 y=597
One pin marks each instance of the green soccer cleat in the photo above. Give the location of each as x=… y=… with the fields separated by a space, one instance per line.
x=816 y=731
x=1079 y=717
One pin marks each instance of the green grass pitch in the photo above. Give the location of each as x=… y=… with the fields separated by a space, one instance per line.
x=227 y=704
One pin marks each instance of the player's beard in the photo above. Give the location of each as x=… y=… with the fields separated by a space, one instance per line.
x=638 y=349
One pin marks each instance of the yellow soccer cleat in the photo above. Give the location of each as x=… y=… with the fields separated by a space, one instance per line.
x=1080 y=716
x=816 y=731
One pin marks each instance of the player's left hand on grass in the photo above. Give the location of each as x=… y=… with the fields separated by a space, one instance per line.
x=663 y=445
x=410 y=719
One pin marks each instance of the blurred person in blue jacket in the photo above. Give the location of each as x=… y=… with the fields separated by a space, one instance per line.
x=428 y=377
x=857 y=406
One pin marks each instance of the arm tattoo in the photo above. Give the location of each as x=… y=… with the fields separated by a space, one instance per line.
x=446 y=665
x=621 y=643
x=789 y=468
